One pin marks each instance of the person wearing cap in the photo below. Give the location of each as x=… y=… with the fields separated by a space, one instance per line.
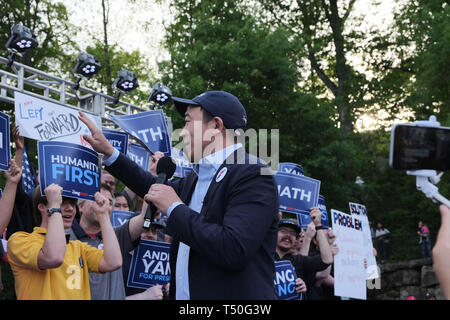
x=305 y=266
x=223 y=216
x=46 y=264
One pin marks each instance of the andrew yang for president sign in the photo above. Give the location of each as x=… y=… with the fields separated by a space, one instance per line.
x=297 y=194
x=117 y=139
x=285 y=281
x=119 y=217
x=149 y=127
x=71 y=166
x=149 y=265
x=292 y=168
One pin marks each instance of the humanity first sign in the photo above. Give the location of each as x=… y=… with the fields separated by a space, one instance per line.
x=118 y=139
x=149 y=265
x=73 y=167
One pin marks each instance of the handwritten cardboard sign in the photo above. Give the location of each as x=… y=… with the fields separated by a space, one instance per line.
x=73 y=167
x=46 y=121
x=360 y=211
x=149 y=265
x=349 y=273
x=5 y=148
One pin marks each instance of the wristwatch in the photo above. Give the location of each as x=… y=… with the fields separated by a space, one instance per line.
x=52 y=211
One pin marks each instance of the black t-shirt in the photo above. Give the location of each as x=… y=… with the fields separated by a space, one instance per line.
x=304 y=265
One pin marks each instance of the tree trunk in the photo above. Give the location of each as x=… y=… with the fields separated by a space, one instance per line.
x=109 y=80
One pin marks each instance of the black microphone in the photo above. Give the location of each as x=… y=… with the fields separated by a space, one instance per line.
x=165 y=169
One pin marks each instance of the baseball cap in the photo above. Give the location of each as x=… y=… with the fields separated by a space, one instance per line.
x=159 y=223
x=290 y=223
x=218 y=103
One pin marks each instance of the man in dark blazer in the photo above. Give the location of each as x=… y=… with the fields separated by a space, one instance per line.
x=223 y=217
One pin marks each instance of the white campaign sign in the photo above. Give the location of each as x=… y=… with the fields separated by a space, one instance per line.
x=349 y=273
x=46 y=121
x=359 y=211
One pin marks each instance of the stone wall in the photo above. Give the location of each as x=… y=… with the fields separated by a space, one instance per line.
x=409 y=278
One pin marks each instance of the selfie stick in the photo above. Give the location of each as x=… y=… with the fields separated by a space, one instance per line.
x=427 y=179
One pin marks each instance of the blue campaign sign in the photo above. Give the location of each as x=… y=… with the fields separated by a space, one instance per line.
x=5 y=149
x=149 y=265
x=297 y=194
x=71 y=166
x=292 y=168
x=118 y=139
x=119 y=217
x=285 y=281
x=303 y=219
x=139 y=155
x=149 y=127
x=184 y=167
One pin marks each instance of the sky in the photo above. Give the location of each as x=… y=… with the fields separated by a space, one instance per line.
x=128 y=20
x=126 y=25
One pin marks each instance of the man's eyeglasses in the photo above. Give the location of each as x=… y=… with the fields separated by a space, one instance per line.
x=289 y=232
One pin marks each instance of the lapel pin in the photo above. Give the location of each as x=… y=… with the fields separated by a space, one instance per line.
x=221 y=174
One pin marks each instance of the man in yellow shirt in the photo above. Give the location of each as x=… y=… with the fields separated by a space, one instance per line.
x=45 y=265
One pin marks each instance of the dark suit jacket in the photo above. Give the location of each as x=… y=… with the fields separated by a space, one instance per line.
x=233 y=238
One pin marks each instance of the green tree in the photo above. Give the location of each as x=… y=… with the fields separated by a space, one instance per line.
x=217 y=45
x=325 y=39
x=49 y=21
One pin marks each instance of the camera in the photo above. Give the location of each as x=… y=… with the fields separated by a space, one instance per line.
x=420 y=145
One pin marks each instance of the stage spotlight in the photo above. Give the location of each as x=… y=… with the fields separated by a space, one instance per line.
x=126 y=81
x=87 y=65
x=160 y=94
x=21 y=41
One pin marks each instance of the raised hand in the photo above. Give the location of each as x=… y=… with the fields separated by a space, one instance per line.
x=96 y=139
x=18 y=139
x=316 y=216
x=101 y=204
x=54 y=195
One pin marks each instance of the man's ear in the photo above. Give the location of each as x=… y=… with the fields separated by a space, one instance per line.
x=218 y=124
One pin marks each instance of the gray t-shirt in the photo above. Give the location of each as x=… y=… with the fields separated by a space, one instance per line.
x=109 y=285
